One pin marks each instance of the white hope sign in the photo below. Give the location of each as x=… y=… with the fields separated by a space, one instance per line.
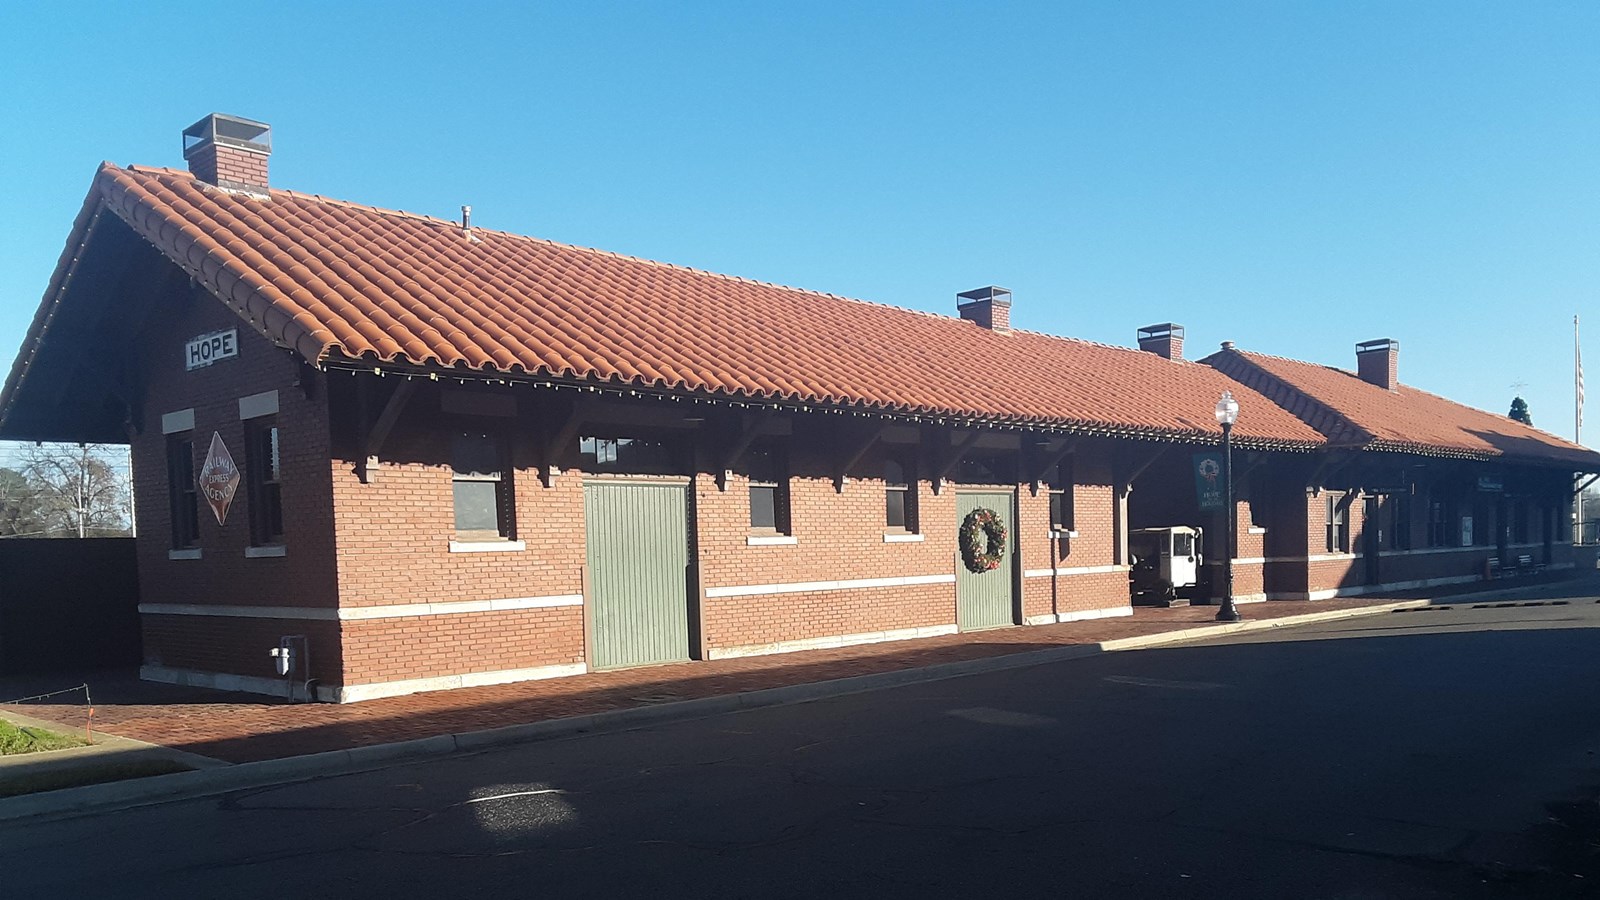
x=208 y=348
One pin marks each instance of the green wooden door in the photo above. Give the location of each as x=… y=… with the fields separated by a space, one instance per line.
x=984 y=599
x=638 y=554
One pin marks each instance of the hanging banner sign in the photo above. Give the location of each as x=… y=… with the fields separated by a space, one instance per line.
x=219 y=478
x=1208 y=481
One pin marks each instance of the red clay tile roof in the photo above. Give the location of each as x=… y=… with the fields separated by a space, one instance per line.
x=1353 y=413
x=342 y=282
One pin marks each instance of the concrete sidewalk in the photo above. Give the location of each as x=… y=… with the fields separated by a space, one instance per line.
x=271 y=741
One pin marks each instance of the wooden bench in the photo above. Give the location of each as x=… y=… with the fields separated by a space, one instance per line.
x=1524 y=565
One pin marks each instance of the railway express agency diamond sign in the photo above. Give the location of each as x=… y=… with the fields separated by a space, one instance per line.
x=219 y=478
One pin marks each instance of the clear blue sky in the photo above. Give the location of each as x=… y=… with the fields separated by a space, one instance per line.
x=1295 y=177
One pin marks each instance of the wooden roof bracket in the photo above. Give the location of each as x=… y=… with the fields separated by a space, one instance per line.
x=1125 y=481
x=942 y=467
x=1252 y=462
x=857 y=450
x=1046 y=460
x=559 y=442
x=1331 y=463
x=378 y=434
x=747 y=435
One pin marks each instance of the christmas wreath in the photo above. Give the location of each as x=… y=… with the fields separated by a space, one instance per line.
x=982 y=540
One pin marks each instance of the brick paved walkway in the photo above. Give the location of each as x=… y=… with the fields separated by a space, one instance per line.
x=245 y=728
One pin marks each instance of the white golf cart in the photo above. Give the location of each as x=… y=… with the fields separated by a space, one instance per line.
x=1166 y=565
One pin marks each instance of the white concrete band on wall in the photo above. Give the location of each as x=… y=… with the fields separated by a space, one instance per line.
x=1359 y=589
x=1426 y=551
x=804 y=587
x=353 y=693
x=1080 y=615
x=357 y=613
x=1481 y=548
x=1074 y=570
x=825 y=643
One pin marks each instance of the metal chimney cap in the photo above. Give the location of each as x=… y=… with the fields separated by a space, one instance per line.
x=227 y=131
x=1164 y=329
x=991 y=293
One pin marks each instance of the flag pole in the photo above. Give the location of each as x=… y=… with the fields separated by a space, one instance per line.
x=1577 y=417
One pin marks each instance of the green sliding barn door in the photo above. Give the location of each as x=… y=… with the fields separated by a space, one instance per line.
x=984 y=599
x=638 y=588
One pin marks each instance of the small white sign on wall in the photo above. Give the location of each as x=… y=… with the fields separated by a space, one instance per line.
x=208 y=348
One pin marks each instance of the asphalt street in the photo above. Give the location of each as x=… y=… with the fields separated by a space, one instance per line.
x=1446 y=753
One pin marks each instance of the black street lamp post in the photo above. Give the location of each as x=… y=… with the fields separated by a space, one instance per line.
x=1227 y=413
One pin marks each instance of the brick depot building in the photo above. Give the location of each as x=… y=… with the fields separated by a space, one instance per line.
x=457 y=456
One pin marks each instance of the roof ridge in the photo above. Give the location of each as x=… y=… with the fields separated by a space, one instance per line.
x=550 y=242
x=512 y=235
x=297 y=195
x=1304 y=362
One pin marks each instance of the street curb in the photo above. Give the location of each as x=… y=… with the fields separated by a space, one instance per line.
x=105 y=744
x=208 y=782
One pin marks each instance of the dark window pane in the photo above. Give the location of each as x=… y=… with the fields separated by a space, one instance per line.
x=1055 y=510
x=274 y=516
x=895 y=508
x=183 y=494
x=261 y=487
x=477 y=506
x=763 y=506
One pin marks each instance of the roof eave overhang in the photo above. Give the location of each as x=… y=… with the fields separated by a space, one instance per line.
x=1461 y=453
x=774 y=400
x=78 y=238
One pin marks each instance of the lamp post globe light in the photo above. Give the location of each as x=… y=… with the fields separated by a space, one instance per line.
x=1227 y=413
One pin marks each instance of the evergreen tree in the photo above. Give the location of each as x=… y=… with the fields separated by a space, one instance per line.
x=1519 y=411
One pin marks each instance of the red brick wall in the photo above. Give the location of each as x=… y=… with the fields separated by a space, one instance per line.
x=1094 y=502
x=407 y=647
x=223 y=575
x=839 y=537
x=238 y=646
x=1091 y=591
x=354 y=545
x=394 y=536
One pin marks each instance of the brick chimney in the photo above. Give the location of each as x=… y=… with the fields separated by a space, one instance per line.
x=1378 y=362
x=229 y=152
x=989 y=307
x=1164 y=340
